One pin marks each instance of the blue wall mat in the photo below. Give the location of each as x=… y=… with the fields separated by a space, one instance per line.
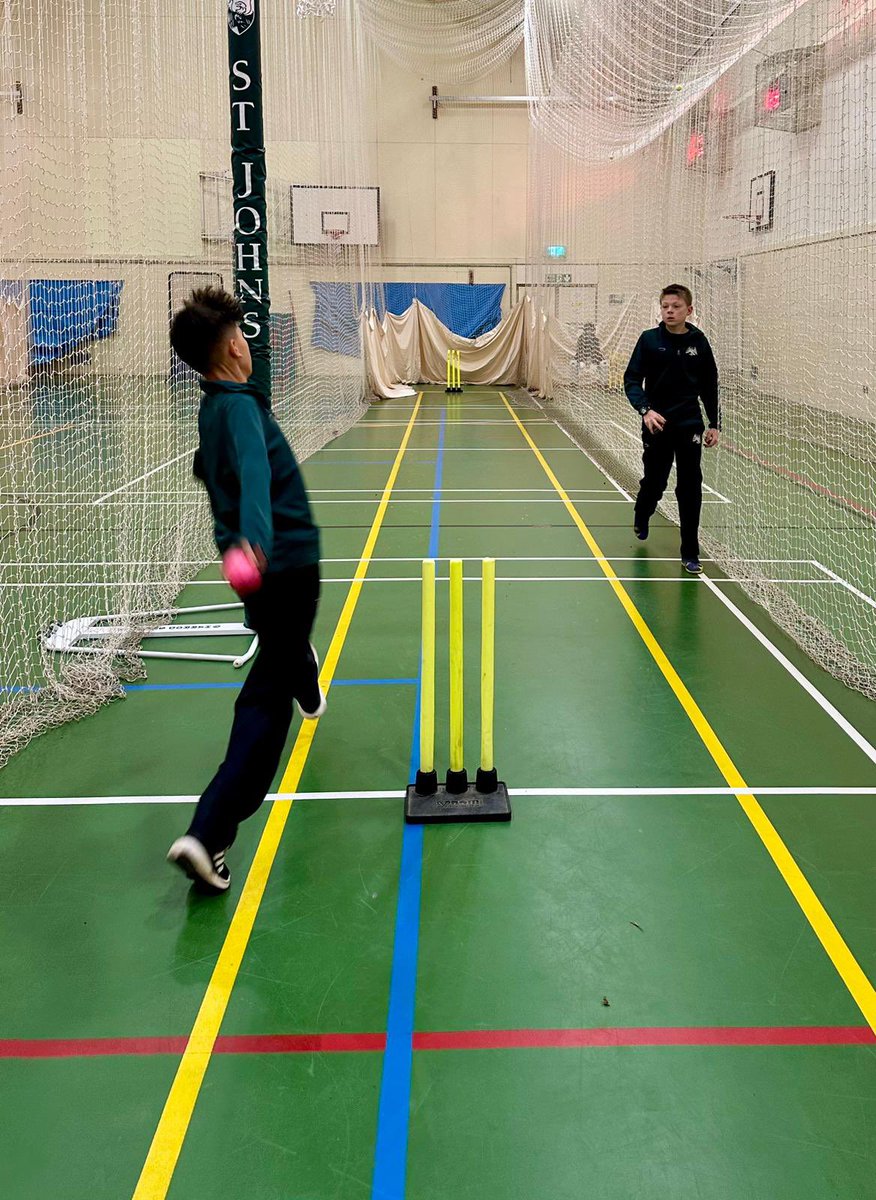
x=68 y=314
x=466 y=309
x=335 y=323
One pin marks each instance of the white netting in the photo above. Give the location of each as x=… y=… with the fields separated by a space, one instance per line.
x=754 y=188
x=725 y=145
x=447 y=40
x=115 y=183
x=607 y=79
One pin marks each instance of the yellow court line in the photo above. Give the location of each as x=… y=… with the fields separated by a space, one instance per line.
x=167 y=1143
x=838 y=952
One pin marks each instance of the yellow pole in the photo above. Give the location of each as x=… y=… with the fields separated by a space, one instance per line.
x=459 y=370
x=449 y=352
x=488 y=660
x=427 y=692
x=456 y=722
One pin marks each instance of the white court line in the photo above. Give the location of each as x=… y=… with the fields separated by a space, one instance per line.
x=140 y=478
x=581 y=450
x=845 y=583
x=115 y=583
x=417 y=579
x=449 y=449
x=484 y=500
x=475 y=500
x=60 y=565
x=854 y=734
x=564 y=558
x=835 y=715
x=399 y=793
x=638 y=441
x=451 y=421
x=724 y=499
x=444 y=490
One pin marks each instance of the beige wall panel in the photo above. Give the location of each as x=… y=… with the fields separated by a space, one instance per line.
x=409 y=196
x=509 y=202
x=464 y=214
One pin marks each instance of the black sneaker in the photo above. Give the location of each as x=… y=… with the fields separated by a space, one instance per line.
x=194 y=860
x=692 y=566
x=641 y=531
x=321 y=707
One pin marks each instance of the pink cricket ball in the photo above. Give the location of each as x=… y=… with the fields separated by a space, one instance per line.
x=243 y=576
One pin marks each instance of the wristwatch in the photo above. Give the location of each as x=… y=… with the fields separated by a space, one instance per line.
x=646 y=408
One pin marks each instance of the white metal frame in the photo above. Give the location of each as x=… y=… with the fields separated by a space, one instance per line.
x=65 y=638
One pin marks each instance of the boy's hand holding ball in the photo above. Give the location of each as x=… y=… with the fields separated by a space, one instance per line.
x=242 y=567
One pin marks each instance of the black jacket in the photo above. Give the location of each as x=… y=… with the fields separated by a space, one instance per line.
x=255 y=487
x=672 y=373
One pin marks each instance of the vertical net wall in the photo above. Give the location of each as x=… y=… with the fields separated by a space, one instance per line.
x=728 y=146
x=114 y=170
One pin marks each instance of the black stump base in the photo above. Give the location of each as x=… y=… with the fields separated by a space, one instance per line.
x=443 y=807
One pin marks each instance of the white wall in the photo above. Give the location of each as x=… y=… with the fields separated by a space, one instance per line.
x=453 y=190
x=126 y=105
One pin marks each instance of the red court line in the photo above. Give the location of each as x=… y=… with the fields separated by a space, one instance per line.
x=466 y=1039
x=818 y=488
x=542 y=1039
x=279 y=1043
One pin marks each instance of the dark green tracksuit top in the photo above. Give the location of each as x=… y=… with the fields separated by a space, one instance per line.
x=253 y=481
x=672 y=373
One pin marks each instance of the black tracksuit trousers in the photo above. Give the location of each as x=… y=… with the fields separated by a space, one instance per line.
x=684 y=445
x=281 y=612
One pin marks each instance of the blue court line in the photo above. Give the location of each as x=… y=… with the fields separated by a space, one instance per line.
x=391 y=1149
x=205 y=687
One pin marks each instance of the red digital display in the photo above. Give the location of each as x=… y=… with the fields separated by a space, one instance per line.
x=772 y=97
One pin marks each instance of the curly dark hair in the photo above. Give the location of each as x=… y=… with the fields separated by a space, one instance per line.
x=200 y=324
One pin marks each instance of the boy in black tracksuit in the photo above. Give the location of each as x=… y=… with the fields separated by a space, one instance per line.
x=671 y=370
x=259 y=506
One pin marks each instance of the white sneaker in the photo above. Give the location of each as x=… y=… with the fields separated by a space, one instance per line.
x=195 y=860
x=321 y=707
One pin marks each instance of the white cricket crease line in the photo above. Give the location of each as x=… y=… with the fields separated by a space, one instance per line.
x=478 y=500
x=835 y=715
x=845 y=583
x=484 y=500
x=447 y=450
x=118 y=583
x=399 y=793
x=16 y=566
x=563 y=579
x=417 y=579
x=450 y=422
x=147 y=475
x=431 y=491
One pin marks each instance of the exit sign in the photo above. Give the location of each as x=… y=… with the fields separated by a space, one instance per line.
x=556 y=251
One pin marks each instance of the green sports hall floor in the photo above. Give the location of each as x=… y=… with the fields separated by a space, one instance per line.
x=651 y=984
